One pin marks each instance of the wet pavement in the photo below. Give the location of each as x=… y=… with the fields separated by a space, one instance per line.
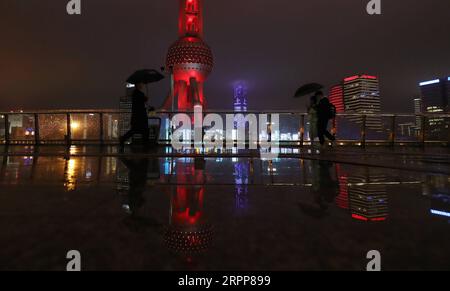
x=161 y=210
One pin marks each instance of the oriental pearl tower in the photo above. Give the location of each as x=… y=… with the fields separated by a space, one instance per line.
x=189 y=58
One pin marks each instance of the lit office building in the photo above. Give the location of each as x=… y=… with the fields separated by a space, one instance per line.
x=418 y=111
x=435 y=95
x=125 y=106
x=362 y=96
x=336 y=97
x=435 y=100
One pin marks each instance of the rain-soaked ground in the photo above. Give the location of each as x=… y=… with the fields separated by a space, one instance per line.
x=162 y=211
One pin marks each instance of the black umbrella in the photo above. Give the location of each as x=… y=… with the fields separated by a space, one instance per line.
x=308 y=89
x=145 y=76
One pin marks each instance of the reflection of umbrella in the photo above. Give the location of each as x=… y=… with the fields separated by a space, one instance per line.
x=308 y=89
x=145 y=76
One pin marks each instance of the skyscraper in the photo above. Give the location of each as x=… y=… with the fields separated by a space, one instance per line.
x=418 y=111
x=190 y=59
x=336 y=97
x=435 y=100
x=362 y=96
x=240 y=97
x=435 y=95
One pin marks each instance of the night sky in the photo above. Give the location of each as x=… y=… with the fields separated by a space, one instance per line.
x=49 y=59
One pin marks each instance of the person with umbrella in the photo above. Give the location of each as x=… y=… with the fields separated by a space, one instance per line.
x=325 y=112
x=139 y=115
x=306 y=90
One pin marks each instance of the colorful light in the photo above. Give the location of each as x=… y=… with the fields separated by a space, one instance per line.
x=351 y=78
x=189 y=58
x=369 y=77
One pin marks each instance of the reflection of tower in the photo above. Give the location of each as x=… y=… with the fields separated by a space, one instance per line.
x=342 y=198
x=368 y=198
x=188 y=232
x=241 y=180
x=190 y=58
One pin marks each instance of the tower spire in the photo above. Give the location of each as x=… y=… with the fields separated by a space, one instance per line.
x=191 y=18
x=190 y=58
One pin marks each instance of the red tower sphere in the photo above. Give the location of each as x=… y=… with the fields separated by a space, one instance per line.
x=190 y=58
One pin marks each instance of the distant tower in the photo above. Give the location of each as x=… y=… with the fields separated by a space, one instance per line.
x=189 y=57
x=240 y=98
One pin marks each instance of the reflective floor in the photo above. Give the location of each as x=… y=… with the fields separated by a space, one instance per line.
x=303 y=211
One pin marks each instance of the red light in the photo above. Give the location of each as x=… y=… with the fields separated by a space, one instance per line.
x=351 y=78
x=368 y=77
x=359 y=217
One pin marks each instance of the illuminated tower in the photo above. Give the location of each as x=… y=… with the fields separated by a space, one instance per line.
x=240 y=98
x=336 y=97
x=189 y=58
x=362 y=96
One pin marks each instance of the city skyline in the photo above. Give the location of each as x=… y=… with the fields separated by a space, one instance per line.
x=96 y=56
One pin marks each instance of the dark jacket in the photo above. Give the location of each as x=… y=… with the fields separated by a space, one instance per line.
x=323 y=109
x=139 y=117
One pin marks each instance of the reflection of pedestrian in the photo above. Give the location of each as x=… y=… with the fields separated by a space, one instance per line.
x=137 y=181
x=139 y=117
x=325 y=113
x=324 y=187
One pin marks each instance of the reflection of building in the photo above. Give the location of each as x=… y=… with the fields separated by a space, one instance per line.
x=362 y=96
x=342 y=198
x=189 y=232
x=189 y=57
x=437 y=187
x=368 y=198
x=363 y=193
x=241 y=180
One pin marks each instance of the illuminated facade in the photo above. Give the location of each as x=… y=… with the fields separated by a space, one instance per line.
x=418 y=110
x=362 y=96
x=435 y=96
x=189 y=58
x=336 y=97
x=368 y=199
x=240 y=98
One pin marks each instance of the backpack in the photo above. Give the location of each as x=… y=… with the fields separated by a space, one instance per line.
x=332 y=111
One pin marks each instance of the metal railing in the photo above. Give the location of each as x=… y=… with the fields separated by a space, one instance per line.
x=104 y=127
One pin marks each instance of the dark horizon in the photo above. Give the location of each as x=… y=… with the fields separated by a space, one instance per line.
x=53 y=60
